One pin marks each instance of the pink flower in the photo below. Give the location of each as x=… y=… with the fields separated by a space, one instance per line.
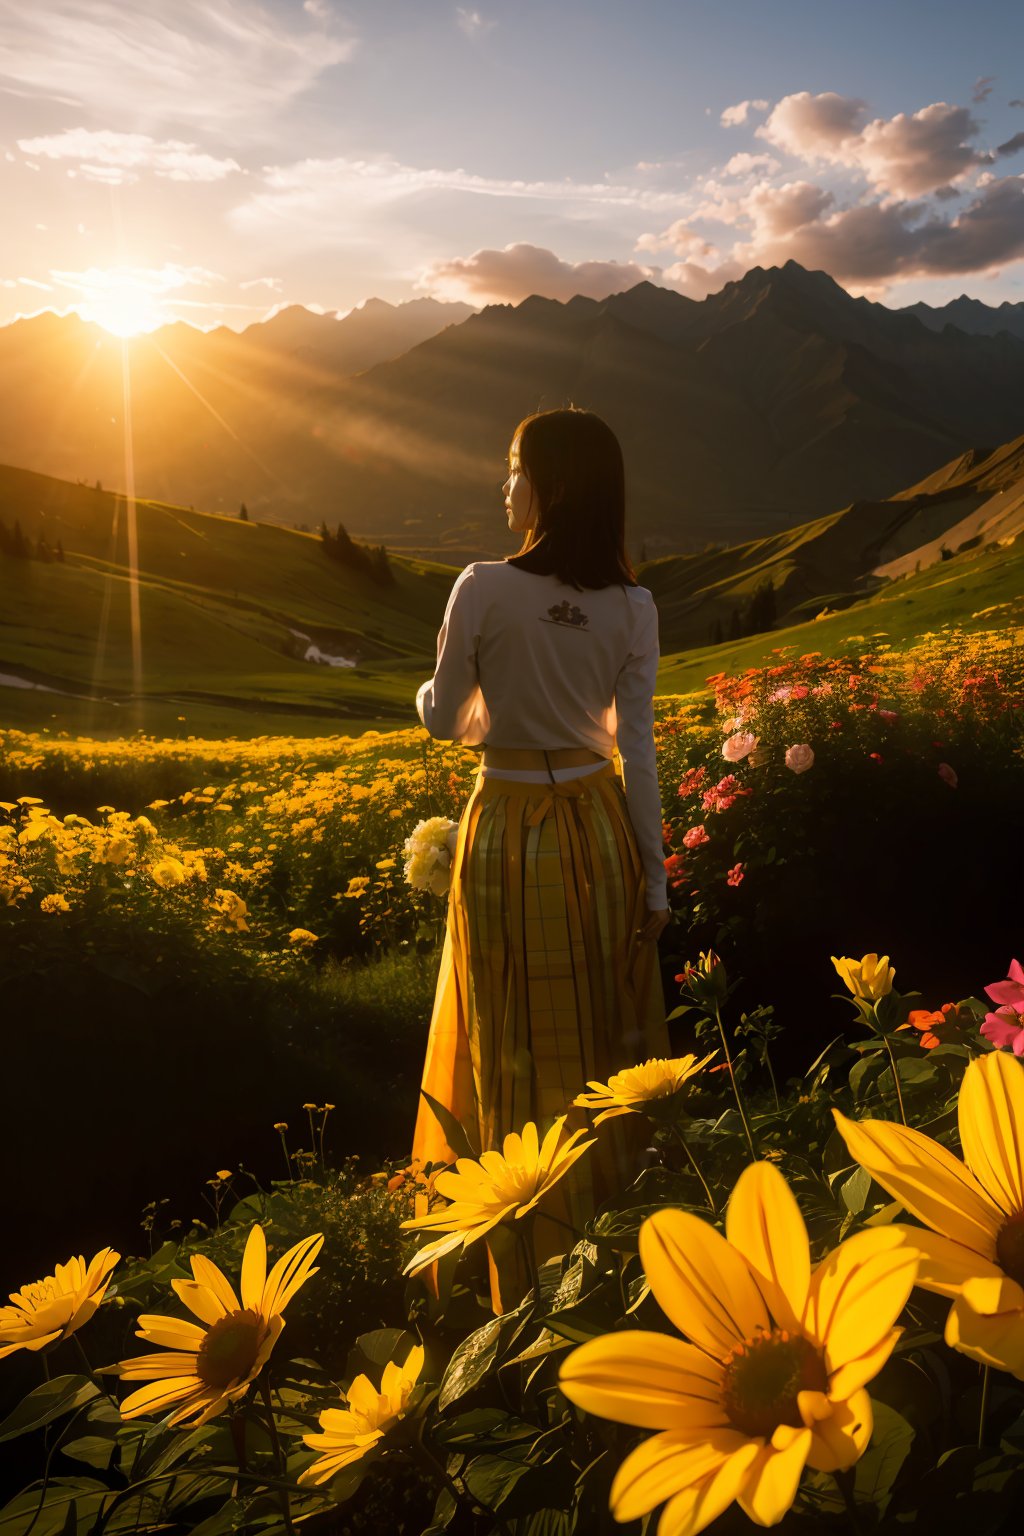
x=800 y=691
x=1009 y=993
x=695 y=837
x=735 y=876
x=1005 y=1030
x=675 y=869
x=781 y=695
x=691 y=780
x=738 y=746
x=948 y=775
x=876 y=757
x=890 y=716
x=799 y=757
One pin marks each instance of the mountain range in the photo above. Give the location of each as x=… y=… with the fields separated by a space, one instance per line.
x=777 y=399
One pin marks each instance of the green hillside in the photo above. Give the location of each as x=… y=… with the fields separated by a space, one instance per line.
x=218 y=599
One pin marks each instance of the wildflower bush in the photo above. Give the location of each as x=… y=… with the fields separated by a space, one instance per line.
x=804 y=1307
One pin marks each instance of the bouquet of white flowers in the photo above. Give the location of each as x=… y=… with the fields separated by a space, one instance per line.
x=429 y=850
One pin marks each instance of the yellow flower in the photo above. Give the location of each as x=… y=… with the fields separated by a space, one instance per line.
x=57 y=1306
x=302 y=936
x=973 y=1251
x=637 y=1087
x=485 y=1191
x=54 y=903
x=357 y=887
x=868 y=978
x=774 y=1376
x=348 y=1434
x=230 y=911
x=212 y=1365
x=167 y=872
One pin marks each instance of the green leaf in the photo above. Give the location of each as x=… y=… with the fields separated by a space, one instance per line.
x=48 y=1402
x=854 y=1191
x=372 y=1351
x=470 y=1363
x=455 y=1132
x=879 y=1467
x=58 y=1511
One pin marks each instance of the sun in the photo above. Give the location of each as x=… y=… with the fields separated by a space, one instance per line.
x=123 y=311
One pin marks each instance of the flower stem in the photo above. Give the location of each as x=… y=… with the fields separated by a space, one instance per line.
x=695 y=1166
x=735 y=1085
x=462 y=1496
x=279 y=1461
x=986 y=1373
x=844 y=1482
x=896 y=1079
x=524 y=1236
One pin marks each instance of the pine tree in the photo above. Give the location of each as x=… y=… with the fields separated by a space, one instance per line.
x=59 y=554
x=243 y=513
x=43 y=551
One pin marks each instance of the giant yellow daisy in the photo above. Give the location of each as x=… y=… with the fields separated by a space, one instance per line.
x=773 y=1376
x=498 y=1185
x=56 y=1306
x=639 y=1088
x=974 y=1210
x=211 y=1365
x=350 y=1433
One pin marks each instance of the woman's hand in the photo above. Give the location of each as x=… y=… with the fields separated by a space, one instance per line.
x=655 y=925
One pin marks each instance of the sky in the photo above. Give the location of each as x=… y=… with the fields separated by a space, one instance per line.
x=212 y=160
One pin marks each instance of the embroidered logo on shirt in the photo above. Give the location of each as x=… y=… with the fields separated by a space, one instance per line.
x=563 y=613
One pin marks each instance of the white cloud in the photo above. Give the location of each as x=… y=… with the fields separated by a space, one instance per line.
x=513 y=274
x=214 y=62
x=275 y=284
x=33 y=282
x=472 y=22
x=678 y=238
x=903 y=156
x=744 y=164
x=94 y=282
x=104 y=155
x=734 y=116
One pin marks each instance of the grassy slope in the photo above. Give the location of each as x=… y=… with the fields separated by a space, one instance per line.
x=217 y=598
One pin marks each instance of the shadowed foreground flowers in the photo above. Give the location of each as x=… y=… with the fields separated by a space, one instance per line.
x=974 y=1250
x=774 y=1377
x=56 y=1306
x=638 y=1088
x=350 y=1433
x=485 y=1191
x=212 y=1365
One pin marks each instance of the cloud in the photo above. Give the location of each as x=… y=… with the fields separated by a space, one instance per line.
x=733 y=117
x=1017 y=102
x=876 y=243
x=275 y=284
x=96 y=282
x=513 y=274
x=117 y=157
x=745 y=164
x=903 y=156
x=214 y=62
x=472 y=23
x=1012 y=145
x=678 y=238
x=982 y=89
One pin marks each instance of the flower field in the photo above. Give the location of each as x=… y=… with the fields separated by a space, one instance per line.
x=804 y=1306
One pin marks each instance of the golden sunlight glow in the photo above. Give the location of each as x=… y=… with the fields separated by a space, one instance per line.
x=123 y=311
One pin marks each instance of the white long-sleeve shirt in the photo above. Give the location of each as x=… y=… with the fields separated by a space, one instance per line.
x=526 y=661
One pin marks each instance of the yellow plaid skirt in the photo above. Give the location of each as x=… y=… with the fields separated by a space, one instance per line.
x=543 y=983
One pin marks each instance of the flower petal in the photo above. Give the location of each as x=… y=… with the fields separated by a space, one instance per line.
x=650 y=1380
x=700 y=1281
x=291 y=1271
x=997 y=1341
x=858 y=1292
x=158 y=1395
x=254 y=1268
x=855 y=1374
x=154 y=1367
x=171 y=1332
x=696 y=1507
x=991 y=1295
x=991 y=1114
x=932 y=1183
x=945 y=1266
x=207 y=1273
x=841 y=1439
x=770 y=1483
x=764 y=1223
x=663 y=1466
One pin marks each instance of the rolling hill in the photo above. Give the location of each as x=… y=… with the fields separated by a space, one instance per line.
x=229 y=610
x=776 y=400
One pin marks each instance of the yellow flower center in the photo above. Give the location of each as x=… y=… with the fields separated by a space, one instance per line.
x=228 y=1353
x=1010 y=1248
x=763 y=1376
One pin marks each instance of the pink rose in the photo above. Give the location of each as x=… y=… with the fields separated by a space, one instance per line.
x=695 y=837
x=738 y=746
x=735 y=876
x=799 y=757
x=948 y=775
x=781 y=695
x=800 y=691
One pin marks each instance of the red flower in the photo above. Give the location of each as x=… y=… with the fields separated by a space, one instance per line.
x=735 y=875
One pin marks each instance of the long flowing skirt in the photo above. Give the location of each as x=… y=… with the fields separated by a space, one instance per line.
x=543 y=983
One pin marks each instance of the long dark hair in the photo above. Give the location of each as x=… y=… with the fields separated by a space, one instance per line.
x=573 y=463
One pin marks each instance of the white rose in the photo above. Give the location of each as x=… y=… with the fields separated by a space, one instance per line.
x=736 y=747
x=799 y=757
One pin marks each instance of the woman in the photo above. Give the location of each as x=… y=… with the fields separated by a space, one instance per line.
x=549 y=974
